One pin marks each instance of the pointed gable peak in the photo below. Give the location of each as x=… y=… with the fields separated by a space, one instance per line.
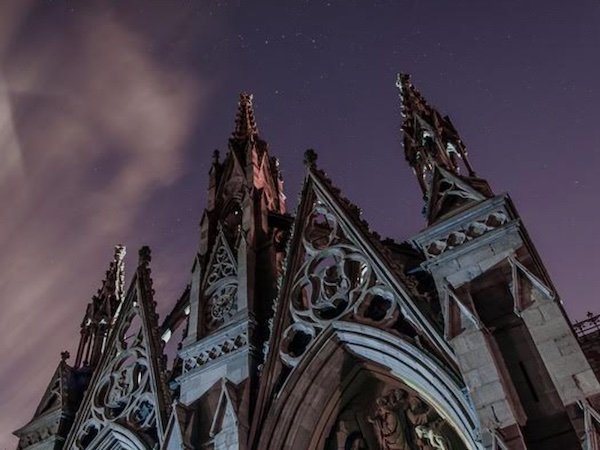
x=56 y=409
x=338 y=269
x=310 y=162
x=128 y=385
x=245 y=122
x=56 y=394
x=225 y=417
x=450 y=194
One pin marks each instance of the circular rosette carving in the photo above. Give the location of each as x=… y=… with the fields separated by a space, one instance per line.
x=330 y=284
x=221 y=305
x=296 y=339
x=123 y=390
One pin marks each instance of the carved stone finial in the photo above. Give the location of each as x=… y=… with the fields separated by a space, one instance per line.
x=119 y=260
x=310 y=158
x=402 y=81
x=145 y=256
x=64 y=355
x=245 y=123
x=120 y=251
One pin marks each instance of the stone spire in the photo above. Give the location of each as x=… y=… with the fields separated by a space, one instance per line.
x=245 y=124
x=430 y=139
x=102 y=311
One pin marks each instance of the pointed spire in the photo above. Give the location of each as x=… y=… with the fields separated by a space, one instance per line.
x=133 y=366
x=102 y=311
x=144 y=257
x=245 y=123
x=430 y=139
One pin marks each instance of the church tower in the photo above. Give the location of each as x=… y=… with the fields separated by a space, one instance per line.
x=242 y=232
x=528 y=379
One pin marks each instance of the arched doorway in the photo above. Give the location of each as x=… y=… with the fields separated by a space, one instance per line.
x=353 y=367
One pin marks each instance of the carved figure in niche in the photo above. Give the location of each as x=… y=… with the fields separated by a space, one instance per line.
x=390 y=423
x=419 y=412
x=402 y=421
x=425 y=421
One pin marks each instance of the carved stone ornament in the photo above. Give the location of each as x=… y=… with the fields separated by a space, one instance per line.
x=467 y=233
x=221 y=305
x=335 y=281
x=402 y=421
x=223 y=347
x=123 y=393
x=223 y=264
x=221 y=285
x=381 y=417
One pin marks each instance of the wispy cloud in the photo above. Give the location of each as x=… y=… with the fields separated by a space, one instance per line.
x=91 y=124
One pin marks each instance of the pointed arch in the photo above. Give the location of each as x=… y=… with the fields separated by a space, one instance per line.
x=310 y=397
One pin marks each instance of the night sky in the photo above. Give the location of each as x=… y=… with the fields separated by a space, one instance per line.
x=109 y=115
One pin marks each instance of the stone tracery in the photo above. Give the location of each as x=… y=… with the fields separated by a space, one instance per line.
x=335 y=281
x=221 y=285
x=123 y=393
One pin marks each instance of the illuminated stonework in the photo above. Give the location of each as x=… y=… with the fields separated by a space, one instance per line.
x=310 y=331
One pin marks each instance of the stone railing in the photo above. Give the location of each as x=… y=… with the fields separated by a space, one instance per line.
x=590 y=325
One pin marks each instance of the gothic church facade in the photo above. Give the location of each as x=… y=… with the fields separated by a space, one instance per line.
x=310 y=331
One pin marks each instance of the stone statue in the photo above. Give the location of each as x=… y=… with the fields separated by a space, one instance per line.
x=390 y=424
x=402 y=421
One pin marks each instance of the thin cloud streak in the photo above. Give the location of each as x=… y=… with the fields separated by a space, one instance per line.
x=108 y=129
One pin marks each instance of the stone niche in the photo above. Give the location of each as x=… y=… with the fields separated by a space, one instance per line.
x=375 y=415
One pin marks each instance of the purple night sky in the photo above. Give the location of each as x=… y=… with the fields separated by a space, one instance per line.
x=109 y=115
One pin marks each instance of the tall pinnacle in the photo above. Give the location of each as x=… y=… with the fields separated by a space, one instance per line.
x=430 y=139
x=102 y=311
x=245 y=123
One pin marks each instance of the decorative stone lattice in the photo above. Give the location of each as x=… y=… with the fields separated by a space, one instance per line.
x=402 y=421
x=225 y=347
x=123 y=392
x=471 y=231
x=223 y=264
x=335 y=281
x=221 y=285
